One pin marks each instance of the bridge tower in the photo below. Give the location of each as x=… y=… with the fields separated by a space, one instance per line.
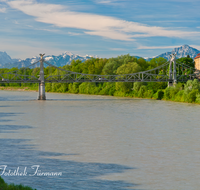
x=172 y=73
x=42 y=95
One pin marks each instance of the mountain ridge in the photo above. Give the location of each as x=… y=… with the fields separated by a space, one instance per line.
x=65 y=58
x=182 y=51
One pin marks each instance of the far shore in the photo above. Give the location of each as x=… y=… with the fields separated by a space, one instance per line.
x=28 y=89
x=17 y=89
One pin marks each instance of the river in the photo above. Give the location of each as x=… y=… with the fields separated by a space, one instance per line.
x=88 y=142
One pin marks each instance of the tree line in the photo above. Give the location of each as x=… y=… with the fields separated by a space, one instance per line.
x=124 y=64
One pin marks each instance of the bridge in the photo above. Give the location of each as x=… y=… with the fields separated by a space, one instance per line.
x=170 y=72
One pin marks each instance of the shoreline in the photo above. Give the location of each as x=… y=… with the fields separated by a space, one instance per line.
x=22 y=89
x=17 y=89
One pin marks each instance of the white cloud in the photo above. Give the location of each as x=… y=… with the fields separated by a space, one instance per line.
x=117 y=49
x=2 y=10
x=157 y=47
x=74 y=34
x=93 y=24
x=105 y=1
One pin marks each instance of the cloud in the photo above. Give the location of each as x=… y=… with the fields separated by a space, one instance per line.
x=93 y=24
x=2 y=10
x=105 y=1
x=74 y=34
x=157 y=47
x=118 y=49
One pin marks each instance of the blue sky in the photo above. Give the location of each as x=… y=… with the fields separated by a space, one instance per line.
x=106 y=28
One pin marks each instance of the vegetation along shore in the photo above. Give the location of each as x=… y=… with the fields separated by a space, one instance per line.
x=5 y=186
x=125 y=64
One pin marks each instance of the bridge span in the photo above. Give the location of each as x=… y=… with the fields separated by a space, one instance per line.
x=170 y=72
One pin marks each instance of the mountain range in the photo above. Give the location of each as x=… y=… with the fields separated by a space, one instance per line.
x=65 y=58
x=60 y=60
x=182 y=51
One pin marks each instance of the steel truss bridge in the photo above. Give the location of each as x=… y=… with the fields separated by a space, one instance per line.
x=170 y=72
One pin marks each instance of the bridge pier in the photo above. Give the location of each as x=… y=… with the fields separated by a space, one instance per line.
x=170 y=84
x=42 y=95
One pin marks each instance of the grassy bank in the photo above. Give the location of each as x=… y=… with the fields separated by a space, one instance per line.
x=189 y=92
x=5 y=186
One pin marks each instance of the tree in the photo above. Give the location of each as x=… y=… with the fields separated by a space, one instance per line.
x=131 y=67
x=110 y=67
x=186 y=60
x=155 y=62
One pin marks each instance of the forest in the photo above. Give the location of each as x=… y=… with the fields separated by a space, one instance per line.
x=124 y=64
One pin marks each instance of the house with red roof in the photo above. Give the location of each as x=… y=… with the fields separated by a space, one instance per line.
x=197 y=61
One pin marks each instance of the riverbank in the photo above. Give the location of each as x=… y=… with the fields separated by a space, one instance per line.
x=31 y=89
x=188 y=93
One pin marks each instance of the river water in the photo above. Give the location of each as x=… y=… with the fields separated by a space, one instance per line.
x=98 y=142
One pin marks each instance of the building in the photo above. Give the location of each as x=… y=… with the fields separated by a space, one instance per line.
x=197 y=61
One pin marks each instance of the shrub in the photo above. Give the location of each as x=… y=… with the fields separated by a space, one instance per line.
x=167 y=93
x=191 y=97
x=5 y=186
x=108 y=89
x=136 y=86
x=198 y=98
x=148 y=94
x=142 y=91
x=179 y=96
x=159 y=95
x=123 y=86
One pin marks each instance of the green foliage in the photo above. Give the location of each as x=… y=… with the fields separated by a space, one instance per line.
x=5 y=186
x=136 y=86
x=110 y=68
x=124 y=86
x=187 y=61
x=155 y=62
x=89 y=88
x=131 y=67
x=142 y=90
x=198 y=98
x=148 y=94
x=121 y=65
x=108 y=89
x=155 y=86
x=159 y=95
x=191 y=89
x=192 y=96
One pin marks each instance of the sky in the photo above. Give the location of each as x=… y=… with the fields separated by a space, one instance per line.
x=106 y=28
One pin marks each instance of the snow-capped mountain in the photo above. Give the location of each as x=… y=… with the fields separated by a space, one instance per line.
x=60 y=60
x=182 y=51
x=66 y=57
x=5 y=58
